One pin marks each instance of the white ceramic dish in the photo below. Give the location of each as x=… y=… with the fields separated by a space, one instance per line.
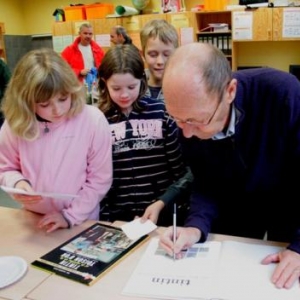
x=12 y=268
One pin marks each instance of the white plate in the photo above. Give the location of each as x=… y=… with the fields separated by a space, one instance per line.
x=12 y=268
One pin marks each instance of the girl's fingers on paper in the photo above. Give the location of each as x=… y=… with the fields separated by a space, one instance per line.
x=26 y=199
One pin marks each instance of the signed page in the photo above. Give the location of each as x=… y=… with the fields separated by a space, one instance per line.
x=213 y=270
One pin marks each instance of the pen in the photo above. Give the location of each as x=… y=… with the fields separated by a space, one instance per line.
x=174 y=230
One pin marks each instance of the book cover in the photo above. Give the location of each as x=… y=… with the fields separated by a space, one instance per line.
x=88 y=255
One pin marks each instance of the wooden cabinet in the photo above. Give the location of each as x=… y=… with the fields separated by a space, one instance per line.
x=256 y=37
x=262 y=24
x=252 y=25
x=149 y=17
x=286 y=23
x=185 y=23
x=102 y=29
x=2 y=43
x=267 y=24
x=133 y=25
x=266 y=37
x=62 y=35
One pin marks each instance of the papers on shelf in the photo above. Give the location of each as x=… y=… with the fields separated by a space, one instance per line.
x=219 y=27
x=221 y=270
x=43 y=194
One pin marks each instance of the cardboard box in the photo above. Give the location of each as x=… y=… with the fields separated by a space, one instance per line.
x=74 y=13
x=98 y=11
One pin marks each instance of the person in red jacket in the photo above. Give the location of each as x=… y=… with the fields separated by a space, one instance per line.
x=84 y=54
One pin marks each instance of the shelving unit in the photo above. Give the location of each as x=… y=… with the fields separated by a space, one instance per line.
x=2 y=44
x=258 y=37
x=205 y=33
x=273 y=38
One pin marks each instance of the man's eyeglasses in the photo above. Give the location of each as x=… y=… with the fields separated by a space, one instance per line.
x=194 y=122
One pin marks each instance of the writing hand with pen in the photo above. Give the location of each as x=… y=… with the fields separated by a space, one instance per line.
x=184 y=238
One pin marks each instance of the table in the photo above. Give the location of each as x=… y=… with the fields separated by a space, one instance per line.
x=21 y=237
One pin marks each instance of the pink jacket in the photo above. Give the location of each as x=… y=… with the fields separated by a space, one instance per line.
x=74 y=157
x=74 y=57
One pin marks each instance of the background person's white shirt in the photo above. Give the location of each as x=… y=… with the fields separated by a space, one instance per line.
x=87 y=54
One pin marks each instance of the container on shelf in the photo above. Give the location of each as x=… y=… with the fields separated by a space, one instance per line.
x=215 y=5
x=75 y=13
x=98 y=11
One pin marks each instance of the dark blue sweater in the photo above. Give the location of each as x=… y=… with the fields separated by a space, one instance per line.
x=249 y=183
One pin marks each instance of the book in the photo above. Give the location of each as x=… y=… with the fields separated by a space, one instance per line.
x=90 y=254
x=212 y=270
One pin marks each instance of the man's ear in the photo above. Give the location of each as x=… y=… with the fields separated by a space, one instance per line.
x=231 y=90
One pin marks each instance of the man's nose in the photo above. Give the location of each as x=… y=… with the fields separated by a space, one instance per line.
x=186 y=130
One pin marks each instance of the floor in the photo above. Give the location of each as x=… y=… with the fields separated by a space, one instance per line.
x=7 y=201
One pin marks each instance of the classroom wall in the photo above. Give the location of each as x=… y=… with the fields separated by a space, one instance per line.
x=25 y=19
x=12 y=15
x=31 y=17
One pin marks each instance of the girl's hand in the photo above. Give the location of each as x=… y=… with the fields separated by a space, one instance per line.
x=25 y=199
x=52 y=221
x=152 y=211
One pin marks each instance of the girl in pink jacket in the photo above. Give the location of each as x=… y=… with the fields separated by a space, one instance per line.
x=52 y=141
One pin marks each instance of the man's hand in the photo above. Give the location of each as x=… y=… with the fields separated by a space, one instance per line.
x=84 y=72
x=185 y=238
x=287 y=271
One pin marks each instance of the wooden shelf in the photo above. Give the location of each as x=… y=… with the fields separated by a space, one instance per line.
x=205 y=33
x=2 y=44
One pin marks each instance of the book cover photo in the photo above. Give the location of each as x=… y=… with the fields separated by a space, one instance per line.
x=86 y=256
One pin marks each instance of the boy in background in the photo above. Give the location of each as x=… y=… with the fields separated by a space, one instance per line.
x=159 y=39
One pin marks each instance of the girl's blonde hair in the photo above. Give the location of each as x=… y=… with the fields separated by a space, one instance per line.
x=39 y=76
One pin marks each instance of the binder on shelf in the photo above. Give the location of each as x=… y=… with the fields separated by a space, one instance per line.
x=222 y=41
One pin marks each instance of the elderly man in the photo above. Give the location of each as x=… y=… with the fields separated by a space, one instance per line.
x=241 y=136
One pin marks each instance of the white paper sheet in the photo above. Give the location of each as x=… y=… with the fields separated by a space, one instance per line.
x=43 y=194
x=135 y=229
x=213 y=270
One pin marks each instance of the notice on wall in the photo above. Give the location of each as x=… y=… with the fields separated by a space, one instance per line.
x=132 y=23
x=61 y=41
x=242 y=25
x=103 y=40
x=291 y=23
x=135 y=36
x=179 y=20
x=186 y=35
